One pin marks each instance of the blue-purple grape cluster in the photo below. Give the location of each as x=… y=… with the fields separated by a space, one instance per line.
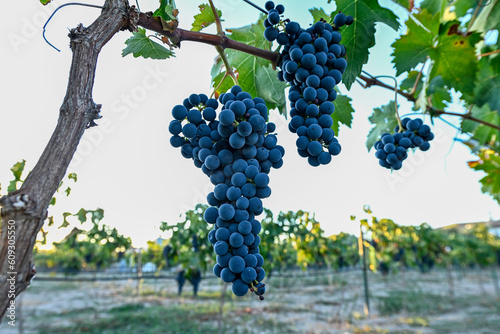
x=237 y=151
x=312 y=62
x=392 y=149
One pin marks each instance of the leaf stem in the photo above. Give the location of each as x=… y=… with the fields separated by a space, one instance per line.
x=220 y=31
x=473 y=18
x=229 y=69
x=415 y=85
x=488 y=53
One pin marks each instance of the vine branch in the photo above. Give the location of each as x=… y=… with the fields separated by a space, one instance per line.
x=372 y=81
x=146 y=20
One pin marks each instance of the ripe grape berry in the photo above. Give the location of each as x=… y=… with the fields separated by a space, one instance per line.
x=392 y=149
x=312 y=63
x=236 y=150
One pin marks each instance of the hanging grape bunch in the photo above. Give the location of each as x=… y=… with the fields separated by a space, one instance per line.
x=392 y=149
x=312 y=62
x=237 y=152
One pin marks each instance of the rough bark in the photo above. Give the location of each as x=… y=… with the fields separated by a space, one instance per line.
x=25 y=210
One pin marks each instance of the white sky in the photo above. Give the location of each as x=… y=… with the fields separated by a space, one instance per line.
x=127 y=167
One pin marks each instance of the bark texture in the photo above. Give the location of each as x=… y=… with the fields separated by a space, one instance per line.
x=24 y=211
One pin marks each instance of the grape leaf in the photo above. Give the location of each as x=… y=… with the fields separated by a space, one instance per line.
x=247 y=67
x=487 y=88
x=455 y=58
x=408 y=4
x=319 y=13
x=360 y=35
x=270 y=88
x=17 y=171
x=415 y=46
x=73 y=176
x=462 y=7
x=140 y=45
x=488 y=17
x=489 y=162
x=384 y=119
x=204 y=18
x=483 y=133
x=167 y=10
x=343 y=112
x=434 y=6
x=438 y=93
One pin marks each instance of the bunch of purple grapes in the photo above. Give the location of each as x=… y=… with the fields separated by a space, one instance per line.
x=237 y=150
x=392 y=149
x=312 y=62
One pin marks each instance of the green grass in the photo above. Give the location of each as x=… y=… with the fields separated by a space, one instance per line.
x=181 y=319
x=135 y=318
x=413 y=302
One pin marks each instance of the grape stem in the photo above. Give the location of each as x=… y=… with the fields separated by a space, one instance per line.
x=146 y=20
x=373 y=81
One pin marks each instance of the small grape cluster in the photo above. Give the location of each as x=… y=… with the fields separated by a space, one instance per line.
x=237 y=152
x=392 y=149
x=312 y=62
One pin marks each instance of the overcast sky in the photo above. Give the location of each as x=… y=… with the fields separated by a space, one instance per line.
x=127 y=167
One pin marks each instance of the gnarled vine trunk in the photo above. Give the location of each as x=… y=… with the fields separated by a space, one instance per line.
x=24 y=211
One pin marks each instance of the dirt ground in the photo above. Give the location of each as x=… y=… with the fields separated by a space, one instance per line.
x=316 y=303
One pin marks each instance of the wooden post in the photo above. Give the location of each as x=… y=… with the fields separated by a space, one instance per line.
x=362 y=253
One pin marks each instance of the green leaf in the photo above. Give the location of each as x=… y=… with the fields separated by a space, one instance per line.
x=438 y=93
x=51 y=221
x=455 y=58
x=73 y=176
x=489 y=162
x=318 y=14
x=343 y=113
x=384 y=119
x=270 y=88
x=204 y=18
x=166 y=11
x=405 y=4
x=249 y=69
x=97 y=215
x=360 y=35
x=82 y=215
x=139 y=45
x=45 y=2
x=17 y=171
x=487 y=88
x=65 y=220
x=53 y=201
x=415 y=46
x=483 y=133
x=464 y=6
x=488 y=17
x=67 y=191
x=434 y=6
